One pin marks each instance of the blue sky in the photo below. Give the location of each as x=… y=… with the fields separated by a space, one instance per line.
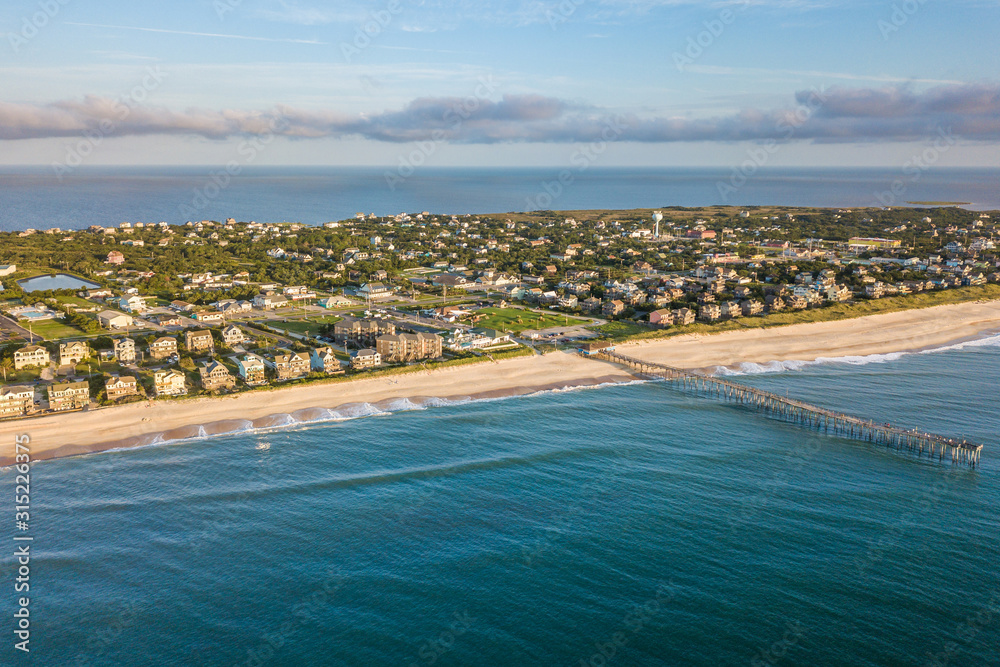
x=499 y=82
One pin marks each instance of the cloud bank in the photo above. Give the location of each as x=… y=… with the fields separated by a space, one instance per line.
x=896 y=113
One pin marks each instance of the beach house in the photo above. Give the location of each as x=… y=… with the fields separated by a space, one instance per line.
x=169 y=383
x=214 y=376
x=124 y=350
x=120 y=387
x=163 y=347
x=374 y=291
x=199 y=341
x=365 y=358
x=683 y=316
x=130 y=304
x=731 y=309
x=251 y=370
x=72 y=353
x=233 y=335
x=31 y=356
x=16 y=400
x=324 y=361
x=167 y=320
x=613 y=307
x=710 y=312
x=210 y=317
x=270 y=301
x=71 y=395
x=290 y=366
x=661 y=318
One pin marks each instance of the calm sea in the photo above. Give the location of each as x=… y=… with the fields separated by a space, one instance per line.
x=35 y=198
x=625 y=525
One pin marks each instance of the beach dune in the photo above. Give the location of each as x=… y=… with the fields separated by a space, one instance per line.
x=153 y=422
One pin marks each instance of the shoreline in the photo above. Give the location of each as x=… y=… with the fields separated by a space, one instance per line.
x=152 y=423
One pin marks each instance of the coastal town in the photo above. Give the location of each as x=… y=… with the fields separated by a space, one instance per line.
x=153 y=312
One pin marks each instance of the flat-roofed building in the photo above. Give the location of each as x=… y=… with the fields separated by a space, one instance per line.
x=361 y=332
x=409 y=347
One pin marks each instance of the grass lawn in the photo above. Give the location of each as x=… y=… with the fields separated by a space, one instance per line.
x=517 y=320
x=308 y=327
x=53 y=329
x=76 y=301
x=101 y=367
x=620 y=329
x=23 y=375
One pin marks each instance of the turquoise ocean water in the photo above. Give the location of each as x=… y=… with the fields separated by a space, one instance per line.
x=622 y=525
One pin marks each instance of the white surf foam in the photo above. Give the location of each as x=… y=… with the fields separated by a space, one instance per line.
x=749 y=368
x=357 y=411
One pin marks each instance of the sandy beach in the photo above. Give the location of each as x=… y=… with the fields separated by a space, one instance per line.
x=146 y=423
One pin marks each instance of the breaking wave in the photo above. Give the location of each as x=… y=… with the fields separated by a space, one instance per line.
x=750 y=368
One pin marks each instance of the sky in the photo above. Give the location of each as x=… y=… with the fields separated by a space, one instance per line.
x=500 y=82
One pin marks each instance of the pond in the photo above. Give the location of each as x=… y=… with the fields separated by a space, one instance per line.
x=55 y=281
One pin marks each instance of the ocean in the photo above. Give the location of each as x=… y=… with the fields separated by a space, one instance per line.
x=620 y=525
x=36 y=198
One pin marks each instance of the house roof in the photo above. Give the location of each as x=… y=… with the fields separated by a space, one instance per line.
x=64 y=386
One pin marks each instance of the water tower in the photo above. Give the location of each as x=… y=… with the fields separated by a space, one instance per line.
x=657 y=217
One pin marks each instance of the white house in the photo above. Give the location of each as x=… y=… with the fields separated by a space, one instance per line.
x=112 y=319
x=131 y=304
x=375 y=291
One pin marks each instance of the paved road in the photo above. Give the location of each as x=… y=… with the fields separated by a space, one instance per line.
x=11 y=325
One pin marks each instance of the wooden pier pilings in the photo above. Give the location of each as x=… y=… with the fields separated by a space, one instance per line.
x=958 y=451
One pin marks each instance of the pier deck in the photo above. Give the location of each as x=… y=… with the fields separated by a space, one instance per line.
x=959 y=451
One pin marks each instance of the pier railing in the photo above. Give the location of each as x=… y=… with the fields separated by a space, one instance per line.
x=919 y=442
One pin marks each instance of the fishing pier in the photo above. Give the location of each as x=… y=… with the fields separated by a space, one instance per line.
x=918 y=442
